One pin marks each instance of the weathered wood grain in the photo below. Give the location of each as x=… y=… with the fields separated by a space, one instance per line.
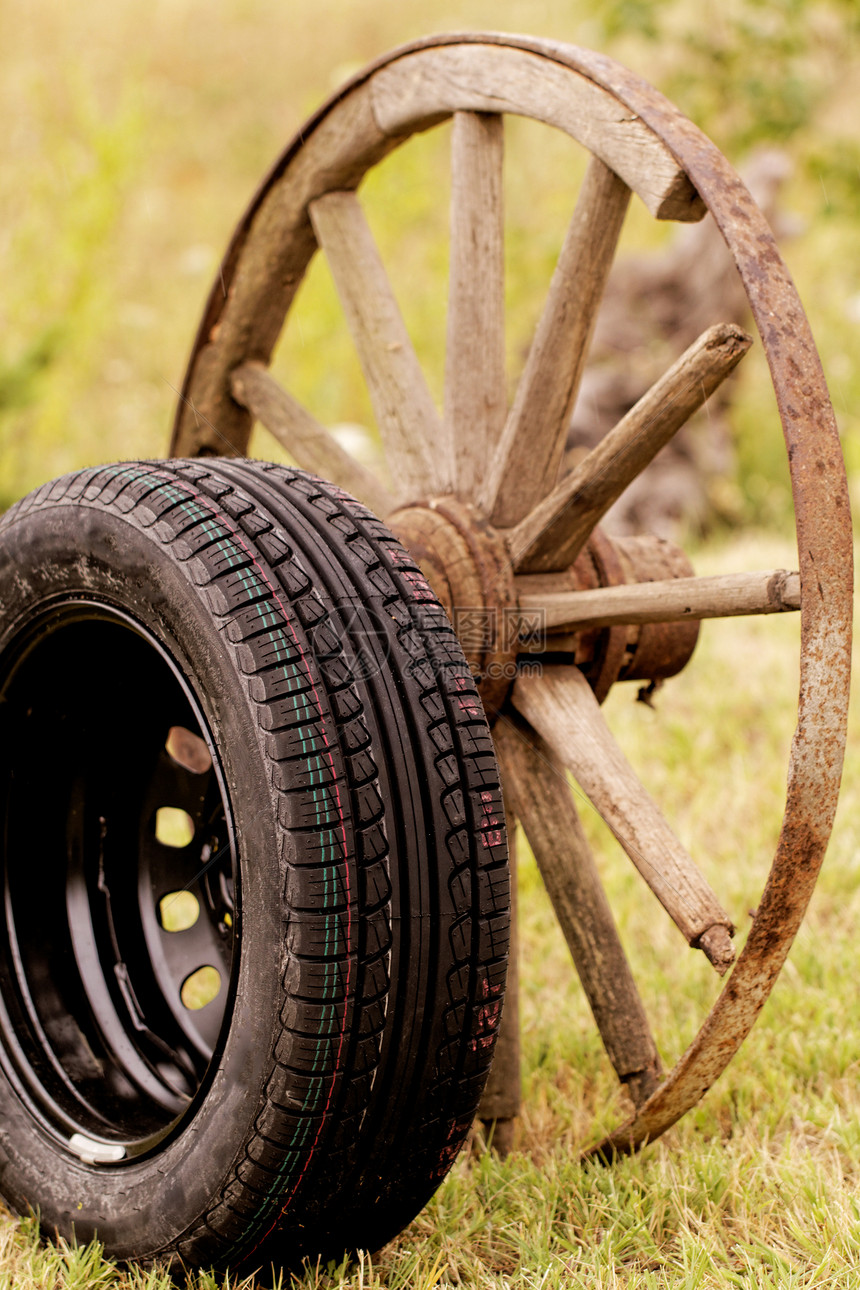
x=405 y=412
x=670 y=600
x=536 y=783
x=555 y=531
x=418 y=88
x=532 y=444
x=475 y=389
x=309 y=444
x=262 y=274
x=561 y=706
x=270 y=253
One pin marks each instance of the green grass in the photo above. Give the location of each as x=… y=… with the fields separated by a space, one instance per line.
x=135 y=136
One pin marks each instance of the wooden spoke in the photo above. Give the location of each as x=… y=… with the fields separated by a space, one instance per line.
x=555 y=531
x=562 y=708
x=475 y=393
x=532 y=443
x=274 y=243
x=312 y=447
x=671 y=600
x=408 y=421
x=536 y=783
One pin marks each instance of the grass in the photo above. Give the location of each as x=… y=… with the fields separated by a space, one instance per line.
x=135 y=137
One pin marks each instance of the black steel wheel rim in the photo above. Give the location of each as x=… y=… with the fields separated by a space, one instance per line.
x=119 y=939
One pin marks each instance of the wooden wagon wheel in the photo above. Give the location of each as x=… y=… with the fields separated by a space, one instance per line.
x=479 y=500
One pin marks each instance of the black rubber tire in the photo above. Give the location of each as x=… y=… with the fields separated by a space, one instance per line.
x=363 y=832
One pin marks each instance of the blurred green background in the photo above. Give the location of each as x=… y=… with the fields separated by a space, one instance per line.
x=134 y=136
x=136 y=133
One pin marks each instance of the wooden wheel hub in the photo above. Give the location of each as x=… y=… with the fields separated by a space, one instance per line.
x=467 y=564
x=648 y=651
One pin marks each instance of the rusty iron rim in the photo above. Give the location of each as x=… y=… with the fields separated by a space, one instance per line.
x=823 y=526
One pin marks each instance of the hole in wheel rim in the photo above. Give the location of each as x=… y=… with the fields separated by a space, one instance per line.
x=201 y=988
x=178 y=911
x=173 y=827
x=93 y=1027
